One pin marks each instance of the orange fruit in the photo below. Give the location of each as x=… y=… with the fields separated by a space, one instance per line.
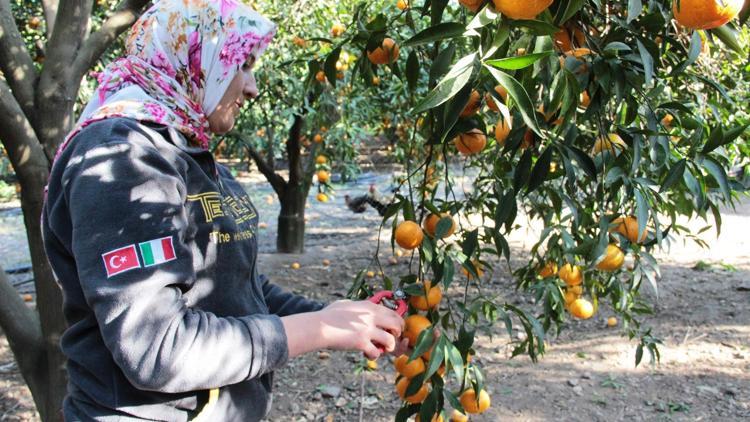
x=570 y=296
x=470 y=142
x=431 y=299
x=521 y=9
x=491 y=100
x=409 y=235
x=705 y=14
x=570 y=274
x=628 y=227
x=410 y=369
x=614 y=257
x=337 y=29
x=430 y=224
x=458 y=417
x=477 y=266
x=320 y=76
x=376 y=80
x=321 y=159
x=402 y=5
x=372 y=365
x=611 y=321
x=326 y=262
x=323 y=176
x=321 y=197
x=576 y=290
x=667 y=120
x=611 y=142
x=27 y=297
x=581 y=308
x=318 y=138
x=385 y=54
x=472 y=106
x=585 y=100
x=566 y=40
x=413 y=326
x=470 y=403
x=370 y=274
x=502 y=130
x=295 y=265
x=528 y=139
x=299 y=42
x=472 y=5
x=417 y=397
x=548 y=270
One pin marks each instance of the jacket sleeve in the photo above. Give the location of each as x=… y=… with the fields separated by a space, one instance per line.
x=282 y=303
x=120 y=194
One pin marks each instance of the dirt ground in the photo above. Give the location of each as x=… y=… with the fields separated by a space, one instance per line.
x=588 y=373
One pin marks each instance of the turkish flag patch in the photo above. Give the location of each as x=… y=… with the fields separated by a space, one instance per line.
x=121 y=260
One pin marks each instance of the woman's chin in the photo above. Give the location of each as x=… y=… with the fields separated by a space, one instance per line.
x=222 y=128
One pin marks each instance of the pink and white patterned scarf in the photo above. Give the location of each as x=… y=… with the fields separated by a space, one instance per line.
x=181 y=57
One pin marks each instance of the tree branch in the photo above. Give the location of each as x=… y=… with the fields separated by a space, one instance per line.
x=296 y=175
x=21 y=326
x=15 y=61
x=95 y=45
x=277 y=182
x=50 y=12
x=17 y=134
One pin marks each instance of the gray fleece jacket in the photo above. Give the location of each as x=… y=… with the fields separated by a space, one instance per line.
x=154 y=245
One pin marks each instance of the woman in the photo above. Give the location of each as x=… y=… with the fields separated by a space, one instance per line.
x=154 y=243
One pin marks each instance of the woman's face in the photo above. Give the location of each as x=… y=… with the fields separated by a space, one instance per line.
x=222 y=119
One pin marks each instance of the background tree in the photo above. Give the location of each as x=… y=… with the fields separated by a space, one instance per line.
x=46 y=48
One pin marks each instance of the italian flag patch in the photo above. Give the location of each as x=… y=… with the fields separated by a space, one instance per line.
x=157 y=251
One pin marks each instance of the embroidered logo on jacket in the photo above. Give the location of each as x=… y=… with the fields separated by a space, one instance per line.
x=121 y=260
x=157 y=251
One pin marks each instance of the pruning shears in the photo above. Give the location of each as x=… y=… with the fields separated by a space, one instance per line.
x=394 y=300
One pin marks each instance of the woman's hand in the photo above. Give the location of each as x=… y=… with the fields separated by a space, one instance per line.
x=361 y=325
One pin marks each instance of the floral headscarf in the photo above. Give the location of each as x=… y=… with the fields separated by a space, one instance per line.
x=181 y=57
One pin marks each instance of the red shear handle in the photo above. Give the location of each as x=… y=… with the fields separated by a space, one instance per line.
x=386 y=299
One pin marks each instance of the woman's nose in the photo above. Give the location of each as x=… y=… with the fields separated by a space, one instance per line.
x=250 y=90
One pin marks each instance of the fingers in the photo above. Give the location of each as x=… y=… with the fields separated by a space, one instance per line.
x=402 y=347
x=371 y=351
x=388 y=319
x=384 y=339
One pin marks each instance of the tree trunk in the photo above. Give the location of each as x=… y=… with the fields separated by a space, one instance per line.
x=49 y=304
x=291 y=228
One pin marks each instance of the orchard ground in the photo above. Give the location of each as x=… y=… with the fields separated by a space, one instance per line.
x=702 y=315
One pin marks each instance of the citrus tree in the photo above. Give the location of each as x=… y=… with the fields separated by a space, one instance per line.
x=604 y=123
x=46 y=49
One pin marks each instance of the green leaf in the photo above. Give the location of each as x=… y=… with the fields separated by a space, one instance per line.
x=442 y=62
x=470 y=243
x=456 y=79
x=583 y=160
x=522 y=171
x=572 y=7
x=719 y=137
x=540 y=171
x=518 y=62
x=485 y=17
x=647 y=61
x=729 y=37
x=538 y=28
x=443 y=226
x=719 y=174
x=520 y=96
x=330 y=65
x=638 y=354
x=641 y=208
x=635 y=7
x=674 y=176
x=438 y=32
x=412 y=70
